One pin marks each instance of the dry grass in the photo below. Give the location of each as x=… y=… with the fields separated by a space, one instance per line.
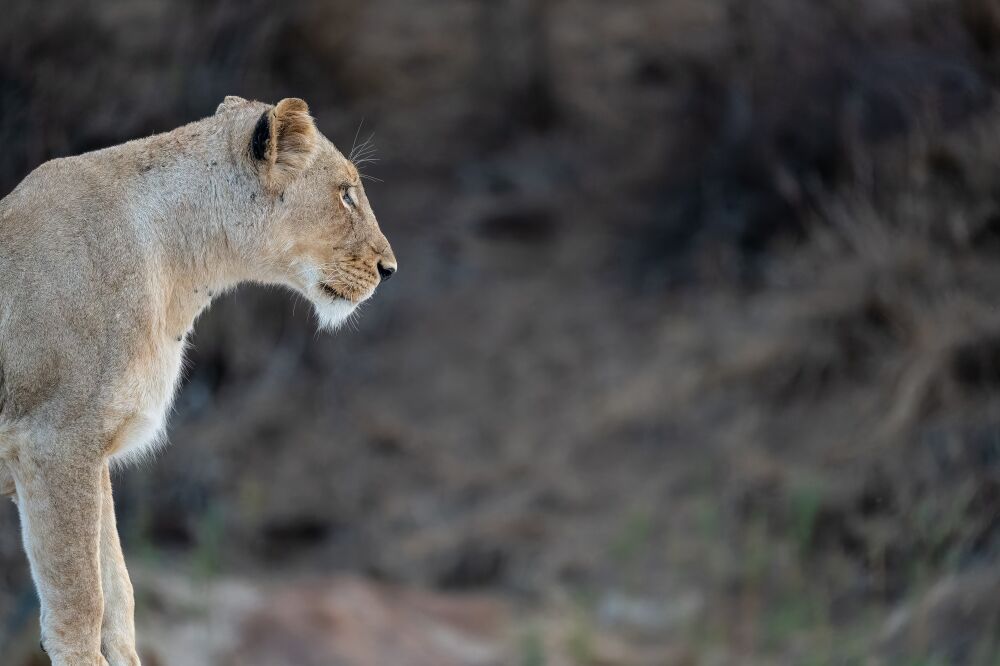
x=865 y=464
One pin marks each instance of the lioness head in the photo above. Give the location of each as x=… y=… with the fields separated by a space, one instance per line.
x=323 y=238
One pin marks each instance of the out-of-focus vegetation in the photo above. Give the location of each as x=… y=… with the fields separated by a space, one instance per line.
x=693 y=355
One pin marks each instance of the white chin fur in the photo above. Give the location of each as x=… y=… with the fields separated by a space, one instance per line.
x=331 y=314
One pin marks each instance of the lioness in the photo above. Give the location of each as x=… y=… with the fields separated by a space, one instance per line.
x=106 y=259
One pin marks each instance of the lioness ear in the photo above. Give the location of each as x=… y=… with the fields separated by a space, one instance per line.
x=284 y=142
x=229 y=102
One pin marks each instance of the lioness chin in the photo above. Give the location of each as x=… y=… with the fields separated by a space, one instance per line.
x=106 y=259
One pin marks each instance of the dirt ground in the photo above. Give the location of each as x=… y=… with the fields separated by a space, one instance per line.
x=692 y=357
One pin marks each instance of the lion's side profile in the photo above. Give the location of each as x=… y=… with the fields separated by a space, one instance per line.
x=106 y=259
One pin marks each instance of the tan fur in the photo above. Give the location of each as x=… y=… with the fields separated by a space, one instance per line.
x=106 y=259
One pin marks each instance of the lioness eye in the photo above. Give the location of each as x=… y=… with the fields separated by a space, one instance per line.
x=345 y=194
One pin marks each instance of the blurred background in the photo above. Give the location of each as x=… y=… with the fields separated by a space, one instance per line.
x=693 y=356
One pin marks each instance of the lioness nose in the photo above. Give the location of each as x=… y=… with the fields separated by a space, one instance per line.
x=385 y=270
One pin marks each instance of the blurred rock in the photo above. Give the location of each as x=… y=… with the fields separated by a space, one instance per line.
x=343 y=621
x=650 y=616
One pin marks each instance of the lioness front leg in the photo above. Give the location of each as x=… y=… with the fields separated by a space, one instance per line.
x=118 y=628
x=59 y=502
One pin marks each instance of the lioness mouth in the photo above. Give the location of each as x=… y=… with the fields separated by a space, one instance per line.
x=330 y=291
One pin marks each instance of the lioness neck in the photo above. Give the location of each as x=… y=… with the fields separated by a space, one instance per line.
x=200 y=215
